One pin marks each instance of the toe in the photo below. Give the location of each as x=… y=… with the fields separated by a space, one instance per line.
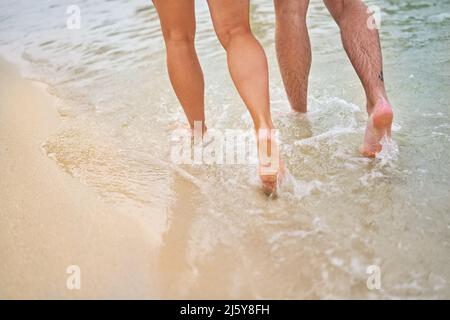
x=371 y=151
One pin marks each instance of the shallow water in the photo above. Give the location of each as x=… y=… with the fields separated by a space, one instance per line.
x=337 y=213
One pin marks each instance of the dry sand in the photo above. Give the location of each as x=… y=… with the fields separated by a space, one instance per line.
x=50 y=220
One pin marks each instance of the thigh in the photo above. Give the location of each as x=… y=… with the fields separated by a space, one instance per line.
x=177 y=18
x=229 y=16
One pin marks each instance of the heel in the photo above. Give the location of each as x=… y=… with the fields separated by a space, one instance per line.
x=383 y=117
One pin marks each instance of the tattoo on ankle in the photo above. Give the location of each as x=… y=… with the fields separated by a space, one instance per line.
x=381 y=76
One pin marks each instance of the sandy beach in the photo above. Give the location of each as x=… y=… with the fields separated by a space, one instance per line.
x=49 y=220
x=87 y=123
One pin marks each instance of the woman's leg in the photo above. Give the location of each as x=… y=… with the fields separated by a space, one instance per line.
x=248 y=68
x=178 y=26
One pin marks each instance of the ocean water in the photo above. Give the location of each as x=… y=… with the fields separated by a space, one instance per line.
x=337 y=214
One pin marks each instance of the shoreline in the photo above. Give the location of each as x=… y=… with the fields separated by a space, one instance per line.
x=49 y=220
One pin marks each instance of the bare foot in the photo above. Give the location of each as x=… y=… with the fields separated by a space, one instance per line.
x=271 y=167
x=378 y=126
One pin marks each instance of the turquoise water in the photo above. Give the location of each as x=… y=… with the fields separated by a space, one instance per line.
x=338 y=214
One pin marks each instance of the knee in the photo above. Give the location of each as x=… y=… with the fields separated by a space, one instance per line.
x=225 y=34
x=179 y=37
x=336 y=8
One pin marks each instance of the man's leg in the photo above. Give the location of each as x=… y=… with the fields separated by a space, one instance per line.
x=178 y=27
x=248 y=67
x=293 y=50
x=362 y=45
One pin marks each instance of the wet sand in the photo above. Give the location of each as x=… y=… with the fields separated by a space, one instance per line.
x=49 y=220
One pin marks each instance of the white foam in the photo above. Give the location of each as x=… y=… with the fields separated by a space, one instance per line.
x=389 y=152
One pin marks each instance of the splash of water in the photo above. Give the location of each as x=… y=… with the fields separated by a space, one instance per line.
x=389 y=152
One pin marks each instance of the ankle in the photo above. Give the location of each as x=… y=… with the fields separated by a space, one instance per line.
x=264 y=125
x=375 y=101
